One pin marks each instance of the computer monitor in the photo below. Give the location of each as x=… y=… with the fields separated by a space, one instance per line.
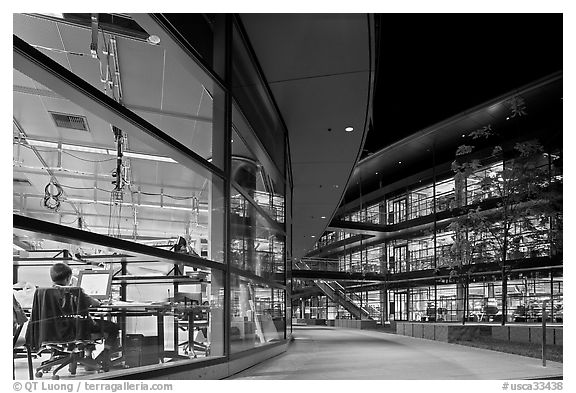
x=96 y=283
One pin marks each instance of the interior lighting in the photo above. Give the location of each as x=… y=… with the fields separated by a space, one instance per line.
x=349 y=129
x=102 y=202
x=33 y=142
x=153 y=39
x=149 y=157
x=399 y=162
x=323 y=217
x=312 y=236
x=86 y=149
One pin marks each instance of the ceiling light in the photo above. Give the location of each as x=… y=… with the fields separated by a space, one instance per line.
x=153 y=39
x=86 y=149
x=349 y=129
x=376 y=172
x=507 y=118
x=323 y=217
x=463 y=135
x=313 y=236
x=399 y=162
x=148 y=157
x=33 y=142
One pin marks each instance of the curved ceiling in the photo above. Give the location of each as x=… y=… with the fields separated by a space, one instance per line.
x=320 y=71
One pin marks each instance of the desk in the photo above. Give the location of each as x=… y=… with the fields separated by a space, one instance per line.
x=193 y=316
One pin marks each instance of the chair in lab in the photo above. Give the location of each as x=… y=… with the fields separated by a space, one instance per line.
x=60 y=324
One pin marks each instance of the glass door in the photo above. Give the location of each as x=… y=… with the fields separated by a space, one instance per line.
x=399 y=208
x=401 y=258
x=401 y=306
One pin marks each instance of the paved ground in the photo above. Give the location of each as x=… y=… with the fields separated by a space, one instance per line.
x=335 y=353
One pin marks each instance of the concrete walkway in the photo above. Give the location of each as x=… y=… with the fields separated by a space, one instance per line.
x=320 y=352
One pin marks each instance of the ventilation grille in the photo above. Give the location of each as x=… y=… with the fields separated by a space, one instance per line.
x=72 y=122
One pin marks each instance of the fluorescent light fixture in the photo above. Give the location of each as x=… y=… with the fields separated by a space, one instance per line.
x=148 y=157
x=86 y=149
x=349 y=129
x=184 y=208
x=98 y=150
x=33 y=142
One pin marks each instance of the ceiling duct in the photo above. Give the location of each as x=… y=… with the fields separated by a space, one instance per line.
x=73 y=122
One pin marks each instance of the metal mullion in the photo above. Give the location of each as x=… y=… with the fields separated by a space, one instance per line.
x=40 y=67
x=277 y=227
x=227 y=191
x=62 y=233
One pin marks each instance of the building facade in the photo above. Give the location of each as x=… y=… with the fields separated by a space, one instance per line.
x=473 y=234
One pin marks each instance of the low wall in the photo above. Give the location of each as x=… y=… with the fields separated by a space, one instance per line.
x=355 y=323
x=454 y=332
x=311 y=321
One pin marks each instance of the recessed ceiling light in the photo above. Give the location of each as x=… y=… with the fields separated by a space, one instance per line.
x=153 y=39
x=323 y=217
x=507 y=118
x=376 y=172
x=463 y=135
x=312 y=236
x=399 y=162
x=349 y=129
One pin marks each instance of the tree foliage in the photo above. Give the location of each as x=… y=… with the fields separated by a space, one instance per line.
x=525 y=202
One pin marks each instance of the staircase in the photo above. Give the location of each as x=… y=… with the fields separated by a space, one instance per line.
x=337 y=294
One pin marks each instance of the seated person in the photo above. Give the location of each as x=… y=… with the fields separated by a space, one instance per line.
x=61 y=275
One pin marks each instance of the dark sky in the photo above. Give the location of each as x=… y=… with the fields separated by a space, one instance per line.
x=433 y=66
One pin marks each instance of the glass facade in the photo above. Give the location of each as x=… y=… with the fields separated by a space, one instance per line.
x=161 y=168
x=420 y=244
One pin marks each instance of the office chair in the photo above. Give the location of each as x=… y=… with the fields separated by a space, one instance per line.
x=200 y=321
x=61 y=325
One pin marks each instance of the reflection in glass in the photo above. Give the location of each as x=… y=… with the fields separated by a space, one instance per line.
x=253 y=170
x=257 y=314
x=256 y=246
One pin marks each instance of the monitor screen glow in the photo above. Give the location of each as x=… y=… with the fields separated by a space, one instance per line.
x=95 y=283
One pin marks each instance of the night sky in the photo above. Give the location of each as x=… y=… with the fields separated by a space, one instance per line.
x=433 y=66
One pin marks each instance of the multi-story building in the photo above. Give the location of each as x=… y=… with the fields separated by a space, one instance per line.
x=415 y=240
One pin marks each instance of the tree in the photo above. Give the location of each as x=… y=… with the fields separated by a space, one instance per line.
x=515 y=197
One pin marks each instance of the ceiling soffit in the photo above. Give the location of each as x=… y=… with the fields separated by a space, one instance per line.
x=319 y=69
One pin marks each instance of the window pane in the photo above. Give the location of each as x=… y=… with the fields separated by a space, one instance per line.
x=77 y=178
x=257 y=314
x=144 y=78
x=164 y=311
x=256 y=246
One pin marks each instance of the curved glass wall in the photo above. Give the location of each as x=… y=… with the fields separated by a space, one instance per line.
x=134 y=157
